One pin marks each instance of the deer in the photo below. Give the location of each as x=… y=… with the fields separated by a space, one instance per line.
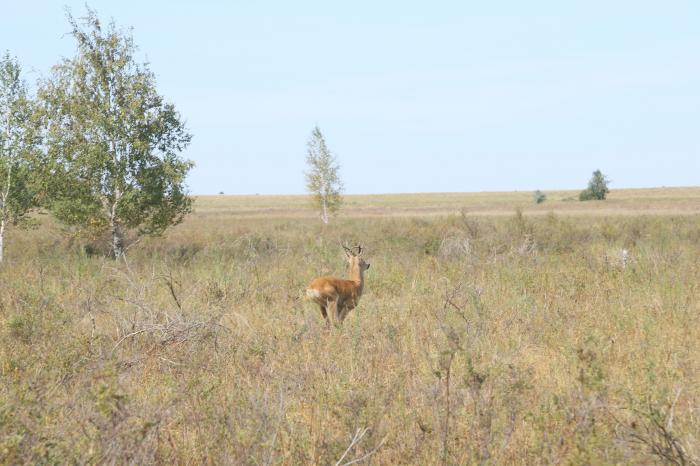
x=336 y=296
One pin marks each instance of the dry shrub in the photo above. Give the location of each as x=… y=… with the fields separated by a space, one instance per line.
x=455 y=245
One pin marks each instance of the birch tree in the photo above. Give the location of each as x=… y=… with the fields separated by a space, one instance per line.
x=17 y=144
x=322 y=180
x=113 y=142
x=597 y=188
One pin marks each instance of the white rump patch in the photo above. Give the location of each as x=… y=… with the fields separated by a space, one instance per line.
x=312 y=293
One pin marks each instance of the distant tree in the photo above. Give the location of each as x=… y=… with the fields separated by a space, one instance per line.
x=18 y=145
x=112 y=141
x=597 y=188
x=539 y=197
x=322 y=180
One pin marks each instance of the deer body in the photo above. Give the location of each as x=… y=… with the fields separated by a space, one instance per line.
x=337 y=296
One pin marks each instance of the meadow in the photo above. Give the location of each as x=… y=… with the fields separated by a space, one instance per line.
x=491 y=331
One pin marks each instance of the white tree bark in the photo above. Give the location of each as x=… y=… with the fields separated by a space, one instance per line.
x=117 y=241
x=324 y=211
x=2 y=235
x=3 y=207
x=5 y=190
x=117 y=237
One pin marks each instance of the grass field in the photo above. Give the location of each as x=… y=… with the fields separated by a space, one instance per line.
x=492 y=331
x=662 y=201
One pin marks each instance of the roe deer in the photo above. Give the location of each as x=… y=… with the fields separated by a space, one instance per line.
x=335 y=296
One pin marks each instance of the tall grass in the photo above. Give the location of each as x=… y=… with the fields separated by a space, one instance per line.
x=513 y=340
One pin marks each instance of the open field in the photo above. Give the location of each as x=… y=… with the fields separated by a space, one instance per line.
x=658 y=201
x=485 y=336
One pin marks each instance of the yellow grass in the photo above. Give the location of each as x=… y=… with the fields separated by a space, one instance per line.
x=659 y=201
x=484 y=336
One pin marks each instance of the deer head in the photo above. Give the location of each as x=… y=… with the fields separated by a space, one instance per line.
x=355 y=258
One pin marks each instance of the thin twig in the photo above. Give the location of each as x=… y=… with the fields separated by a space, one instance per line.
x=172 y=362
x=669 y=424
x=368 y=454
x=356 y=438
x=133 y=243
x=171 y=287
x=129 y=336
x=446 y=431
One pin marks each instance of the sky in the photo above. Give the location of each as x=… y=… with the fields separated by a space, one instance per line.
x=443 y=96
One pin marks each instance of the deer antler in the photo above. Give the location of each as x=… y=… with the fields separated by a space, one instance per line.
x=350 y=250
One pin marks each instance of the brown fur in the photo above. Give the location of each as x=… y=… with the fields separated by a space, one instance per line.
x=336 y=296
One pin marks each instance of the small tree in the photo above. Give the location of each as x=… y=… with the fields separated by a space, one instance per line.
x=539 y=197
x=597 y=188
x=113 y=143
x=17 y=147
x=322 y=179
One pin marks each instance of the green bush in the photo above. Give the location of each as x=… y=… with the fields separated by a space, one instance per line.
x=539 y=197
x=597 y=189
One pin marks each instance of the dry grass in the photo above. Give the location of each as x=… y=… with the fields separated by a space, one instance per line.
x=656 y=201
x=501 y=339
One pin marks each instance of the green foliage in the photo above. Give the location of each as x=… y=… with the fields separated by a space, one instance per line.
x=586 y=195
x=18 y=145
x=597 y=188
x=539 y=197
x=113 y=142
x=322 y=180
x=20 y=327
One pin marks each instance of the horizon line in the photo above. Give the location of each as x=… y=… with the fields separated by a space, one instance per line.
x=449 y=192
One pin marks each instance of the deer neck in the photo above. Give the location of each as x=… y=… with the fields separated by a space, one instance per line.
x=357 y=276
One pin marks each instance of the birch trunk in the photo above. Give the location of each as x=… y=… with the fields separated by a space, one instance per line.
x=5 y=195
x=117 y=241
x=117 y=236
x=4 y=209
x=324 y=211
x=2 y=236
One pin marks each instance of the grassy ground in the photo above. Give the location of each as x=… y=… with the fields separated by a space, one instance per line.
x=485 y=336
x=657 y=201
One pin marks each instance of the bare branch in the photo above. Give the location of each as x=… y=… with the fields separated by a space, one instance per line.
x=355 y=440
x=169 y=281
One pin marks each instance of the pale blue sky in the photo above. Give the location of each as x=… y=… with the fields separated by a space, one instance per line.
x=412 y=96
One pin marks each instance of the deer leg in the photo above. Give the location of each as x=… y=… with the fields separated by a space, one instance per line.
x=339 y=310
x=333 y=311
x=347 y=307
x=323 y=311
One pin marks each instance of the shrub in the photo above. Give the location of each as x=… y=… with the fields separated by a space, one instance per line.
x=539 y=197
x=597 y=188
